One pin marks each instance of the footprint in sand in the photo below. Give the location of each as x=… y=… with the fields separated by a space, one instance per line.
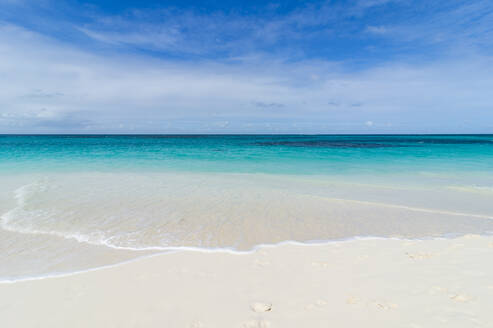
x=451 y=295
x=419 y=256
x=459 y=298
x=257 y=324
x=261 y=307
x=197 y=324
x=385 y=306
x=353 y=300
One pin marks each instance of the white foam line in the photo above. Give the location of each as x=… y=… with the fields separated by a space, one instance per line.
x=230 y=250
x=105 y=242
x=178 y=249
x=404 y=207
x=173 y=249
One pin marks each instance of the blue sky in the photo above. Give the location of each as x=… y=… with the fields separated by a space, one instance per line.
x=363 y=66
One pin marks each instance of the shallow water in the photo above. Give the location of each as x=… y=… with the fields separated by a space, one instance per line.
x=78 y=202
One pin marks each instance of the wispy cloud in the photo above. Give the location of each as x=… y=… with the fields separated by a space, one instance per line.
x=457 y=24
x=268 y=105
x=55 y=87
x=317 y=68
x=190 y=32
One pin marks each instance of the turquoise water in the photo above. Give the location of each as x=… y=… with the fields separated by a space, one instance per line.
x=287 y=154
x=71 y=203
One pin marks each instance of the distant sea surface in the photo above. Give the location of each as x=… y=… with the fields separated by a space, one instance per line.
x=77 y=202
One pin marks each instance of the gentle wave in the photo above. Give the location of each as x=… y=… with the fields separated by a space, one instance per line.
x=99 y=238
x=171 y=250
x=22 y=196
x=117 y=217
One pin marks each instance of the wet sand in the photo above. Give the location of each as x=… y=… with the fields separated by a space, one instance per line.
x=359 y=283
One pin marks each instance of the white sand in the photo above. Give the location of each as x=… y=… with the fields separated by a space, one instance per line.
x=365 y=283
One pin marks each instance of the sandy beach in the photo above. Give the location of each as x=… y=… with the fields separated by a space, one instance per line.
x=359 y=283
x=246 y=164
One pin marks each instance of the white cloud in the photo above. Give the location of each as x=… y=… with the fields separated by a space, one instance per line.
x=464 y=24
x=173 y=30
x=161 y=40
x=47 y=86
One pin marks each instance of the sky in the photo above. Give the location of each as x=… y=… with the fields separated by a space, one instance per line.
x=361 y=66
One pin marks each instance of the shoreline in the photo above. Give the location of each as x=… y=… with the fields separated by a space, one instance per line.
x=163 y=251
x=377 y=282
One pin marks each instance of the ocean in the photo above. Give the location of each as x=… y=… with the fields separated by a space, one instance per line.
x=77 y=202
